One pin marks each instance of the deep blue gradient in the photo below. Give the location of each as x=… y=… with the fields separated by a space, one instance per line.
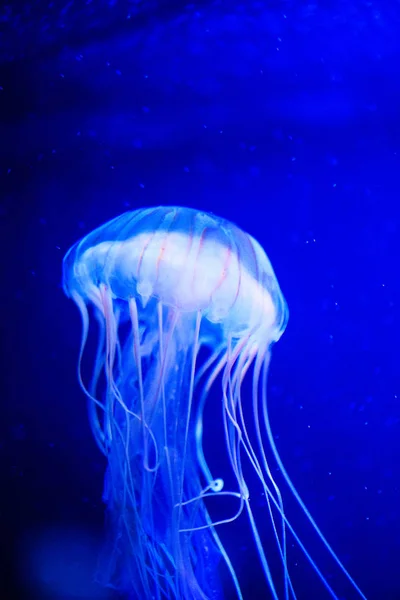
x=283 y=118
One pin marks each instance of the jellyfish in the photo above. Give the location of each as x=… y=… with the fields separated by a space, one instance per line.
x=187 y=307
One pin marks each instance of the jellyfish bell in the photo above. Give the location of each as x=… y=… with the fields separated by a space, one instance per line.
x=188 y=260
x=163 y=283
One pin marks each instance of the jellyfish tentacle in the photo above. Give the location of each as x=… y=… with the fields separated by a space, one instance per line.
x=295 y=493
x=146 y=429
x=247 y=356
x=92 y=401
x=219 y=522
x=188 y=579
x=261 y=359
x=231 y=427
x=199 y=416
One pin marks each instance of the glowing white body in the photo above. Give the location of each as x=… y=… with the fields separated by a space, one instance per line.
x=185 y=273
x=215 y=268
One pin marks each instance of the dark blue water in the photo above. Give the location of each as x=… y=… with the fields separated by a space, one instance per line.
x=282 y=117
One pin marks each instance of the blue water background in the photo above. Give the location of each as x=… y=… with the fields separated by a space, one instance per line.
x=282 y=117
